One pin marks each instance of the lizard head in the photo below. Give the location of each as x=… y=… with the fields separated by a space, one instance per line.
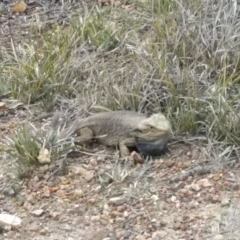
x=154 y=127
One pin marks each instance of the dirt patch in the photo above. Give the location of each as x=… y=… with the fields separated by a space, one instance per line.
x=106 y=197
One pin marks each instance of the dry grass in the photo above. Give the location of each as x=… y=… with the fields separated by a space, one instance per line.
x=166 y=56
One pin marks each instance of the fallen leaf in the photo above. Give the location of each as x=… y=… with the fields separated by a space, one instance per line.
x=53 y=189
x=19 y=7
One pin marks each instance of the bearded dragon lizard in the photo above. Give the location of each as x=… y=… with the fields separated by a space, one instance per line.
x=124 y=129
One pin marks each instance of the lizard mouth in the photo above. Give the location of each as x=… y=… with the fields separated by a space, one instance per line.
x=149 y=134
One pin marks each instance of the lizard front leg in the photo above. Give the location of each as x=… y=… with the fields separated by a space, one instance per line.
x=124 y=144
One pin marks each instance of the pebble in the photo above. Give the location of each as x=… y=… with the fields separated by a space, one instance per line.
x=118 y=200
x=120 y=220
x=95 y=218
x=116 y=214
x=38 y=212
x=44 y=156
x=159 y=235
x=87 y=175
x=140 y=237
x=9 y=220
x=100 y=234
x=225 y=202
x=218 y=237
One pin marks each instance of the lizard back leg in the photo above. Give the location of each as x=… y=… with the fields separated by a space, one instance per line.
x=85 y=135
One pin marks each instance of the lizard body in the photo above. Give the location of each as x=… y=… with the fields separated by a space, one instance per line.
x=123 y=129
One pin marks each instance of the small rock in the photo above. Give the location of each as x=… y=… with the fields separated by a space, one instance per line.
x=204 y=182
x=106 y=207
x=136 y=157
x=34 y=227
x=140 y=237
x=217 y=177
x=38 y=212
x=55 y=215
x=218 y=237
x=125 y=214
x=120 y=220
x=44 y=168
x=46 y=192
x=225 y=202
x=177 y=225
x=155 y=198
x=92 y=200
x=100 y=234
x=9 y=220
x=20 y=200
x=9 y=191
x=195 y=154
x=170 y=163
x=159 y=235
x=173 y=199
x=10 y=234
x=121 y=208
x=118 y=235
x=30 y=198
x=118 y=200
x=88 y=175
x=43 y=231
x=163 y=222
x=95 y=218
x=3 y=107
x=186 y=164
x=189 y=154
x=104 y=222
x=44 y=156
x=196 y=187
x=116 y=214
x=78 y=193
x=16 y=187
x=215 y=199
x=27 y=205
x=127 y=234
x=36 y=179
x=104 y=217
x=93 y=162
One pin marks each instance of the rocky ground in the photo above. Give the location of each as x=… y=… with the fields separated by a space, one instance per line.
x=104 y=197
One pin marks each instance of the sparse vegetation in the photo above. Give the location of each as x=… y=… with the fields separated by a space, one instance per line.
x=24 y=146
x=178 y=57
